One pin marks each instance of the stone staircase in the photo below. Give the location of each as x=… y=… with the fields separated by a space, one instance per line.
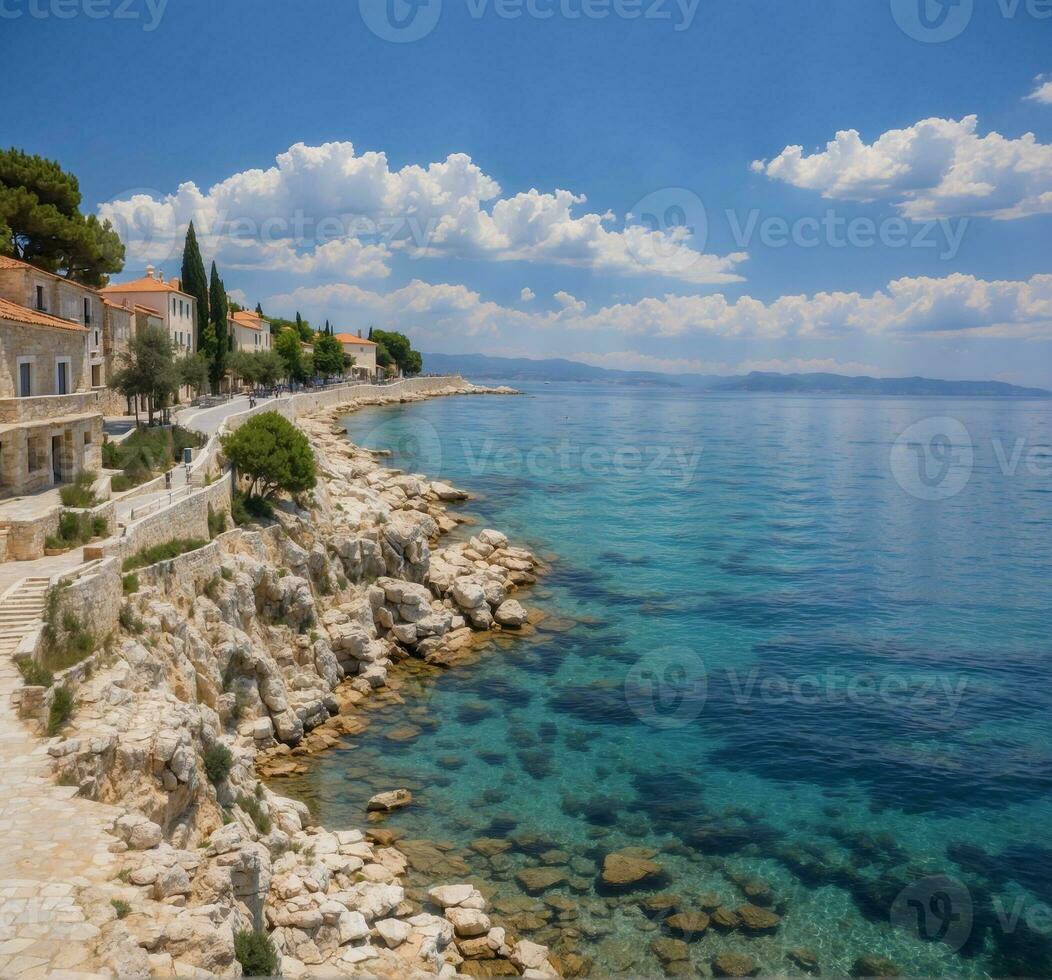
x=21 y=608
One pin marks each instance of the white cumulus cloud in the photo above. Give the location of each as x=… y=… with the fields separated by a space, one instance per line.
x=527 y=294
x=934 y=168
x=1042 y=92
x=907 y=308
x=331 y=212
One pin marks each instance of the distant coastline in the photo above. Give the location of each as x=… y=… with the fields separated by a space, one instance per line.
x=484 y=367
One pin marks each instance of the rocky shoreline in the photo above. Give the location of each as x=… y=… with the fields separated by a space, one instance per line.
x=233 y=661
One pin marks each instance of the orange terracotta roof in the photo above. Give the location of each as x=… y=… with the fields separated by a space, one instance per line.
x=143 y=285
x=35 y=318
x=350 y=338
x=243 y=318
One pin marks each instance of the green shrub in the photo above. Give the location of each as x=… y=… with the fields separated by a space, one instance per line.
x=121 y=907
x=34 y=674
x=130 y=623
x=245 y=509
x=255 y=952
x=130 y=582
x=211 y=588
x=121 y=482
x=227 y=573
x=67 y=642
x=218 y=762
x=61 y=710
x=111 y=456
x=216 y=522
x=255 y=810
x=162 y=552
x=99 y=527
x=79 y=493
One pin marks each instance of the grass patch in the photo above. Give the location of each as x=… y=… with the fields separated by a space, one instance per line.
x=162 y=552
x=79 y=493
x=130 y=623
x=67 y=642
x=61 y=710
x=76 y=528
x=121 y=907
x=255 y=810
x=216 y=522
x=218 y=761
x=130 y=583
x=34 y=674
x=147 y=453
x=255 y=952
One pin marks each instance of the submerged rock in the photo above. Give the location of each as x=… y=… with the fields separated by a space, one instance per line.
x=622 y=870
x=733 y=965
x=393 y=799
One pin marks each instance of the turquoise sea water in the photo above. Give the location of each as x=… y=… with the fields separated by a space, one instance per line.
x=768 y=657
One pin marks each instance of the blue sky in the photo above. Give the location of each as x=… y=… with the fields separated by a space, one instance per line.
x=682 y=113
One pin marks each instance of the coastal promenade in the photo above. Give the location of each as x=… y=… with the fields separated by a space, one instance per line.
x=56 y=845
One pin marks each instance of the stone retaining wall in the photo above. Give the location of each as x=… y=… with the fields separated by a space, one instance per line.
x=187 y=518
x=94 y=598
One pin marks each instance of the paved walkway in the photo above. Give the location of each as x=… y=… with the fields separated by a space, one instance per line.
x=53 y=845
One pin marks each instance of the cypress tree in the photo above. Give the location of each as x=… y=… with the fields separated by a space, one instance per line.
x=218 y=307
x=259 y=309
x=193 y=281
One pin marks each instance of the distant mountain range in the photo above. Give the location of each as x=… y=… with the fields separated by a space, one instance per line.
x=482 y=366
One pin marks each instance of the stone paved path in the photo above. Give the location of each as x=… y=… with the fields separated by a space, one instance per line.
x=52 y=845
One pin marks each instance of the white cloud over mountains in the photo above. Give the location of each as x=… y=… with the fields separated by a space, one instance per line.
x=329 y=211
x=932 y=169
x=956 y=305
x=637 y=361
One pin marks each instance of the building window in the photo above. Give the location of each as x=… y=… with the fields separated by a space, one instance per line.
x=87 y=315
x=62 y=377
x=173 y=306
x=25 y=379
x=40 y=298
x=87 y=438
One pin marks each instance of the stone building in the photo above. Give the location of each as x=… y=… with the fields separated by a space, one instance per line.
x=248 y=331
x=50 y=423
x=363 y=351
x=177 y=310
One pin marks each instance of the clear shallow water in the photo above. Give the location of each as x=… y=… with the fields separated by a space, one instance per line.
x=782 y=666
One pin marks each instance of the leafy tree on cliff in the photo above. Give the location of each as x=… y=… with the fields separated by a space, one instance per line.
x=272 y=454
x=41 y=222
x=195 y=283
x=217 y=305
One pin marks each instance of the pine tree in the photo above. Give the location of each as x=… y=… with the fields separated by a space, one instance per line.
x=218 y=308
x=193 y=281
